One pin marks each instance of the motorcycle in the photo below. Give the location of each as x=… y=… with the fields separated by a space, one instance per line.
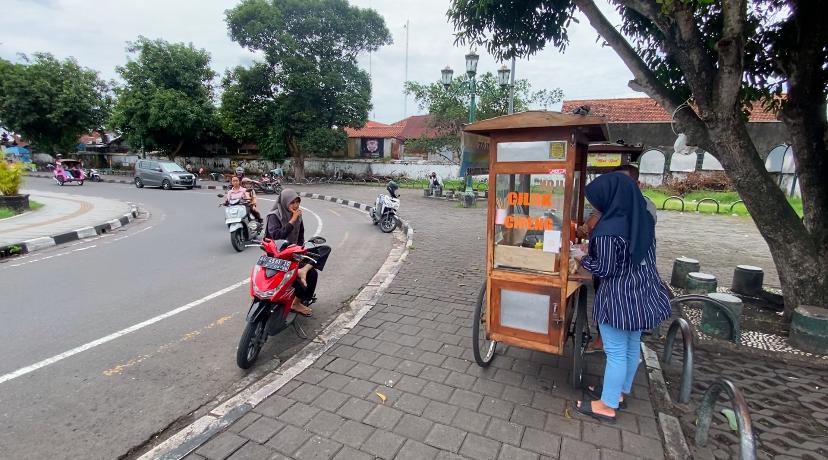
x=93 y=175
x=271 y=287
x=242 y=226
x=271 y=184
x=384 y=213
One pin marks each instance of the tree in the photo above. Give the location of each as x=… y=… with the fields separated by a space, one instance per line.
x=308 y=88
x=51 y=102
x=449 y=107
x=167 y=99
x=721 y=56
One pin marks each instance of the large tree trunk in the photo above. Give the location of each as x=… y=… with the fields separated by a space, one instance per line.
x=174 y=153
x=298 y=160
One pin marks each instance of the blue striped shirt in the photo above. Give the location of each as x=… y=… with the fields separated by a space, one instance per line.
x=630 y=297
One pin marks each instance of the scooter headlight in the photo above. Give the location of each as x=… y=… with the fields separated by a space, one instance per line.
x=271 y=292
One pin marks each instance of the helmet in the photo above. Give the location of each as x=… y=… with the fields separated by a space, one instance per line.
x=240 y=171
x=392 y=188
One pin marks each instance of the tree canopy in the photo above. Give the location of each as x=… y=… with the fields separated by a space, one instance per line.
x=308 y=87
x=51 y=102
x=449 y=106
x=709 y=62
x=167 y=98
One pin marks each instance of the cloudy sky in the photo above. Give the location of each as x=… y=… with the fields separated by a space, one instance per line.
x=95 y=32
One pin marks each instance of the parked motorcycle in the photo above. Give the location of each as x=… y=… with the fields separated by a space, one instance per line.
x=271 y=287
x=93 y=175
x=242 y=226
x=271 y=184
x=384 y=212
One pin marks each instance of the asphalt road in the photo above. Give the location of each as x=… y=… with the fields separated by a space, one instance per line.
x=106 y=399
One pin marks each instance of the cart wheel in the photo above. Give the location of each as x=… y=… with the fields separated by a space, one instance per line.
x=484 y=350
x=580 y=340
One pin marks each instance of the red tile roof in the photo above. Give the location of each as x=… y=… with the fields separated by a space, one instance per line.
x=417 y=126
x=640 y=110
x=375 y=129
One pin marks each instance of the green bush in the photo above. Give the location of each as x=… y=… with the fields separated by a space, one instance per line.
x=11 y=177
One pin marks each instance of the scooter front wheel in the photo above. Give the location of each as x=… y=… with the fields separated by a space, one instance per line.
x=237 y=240
x=388 y=223
x=251 y=343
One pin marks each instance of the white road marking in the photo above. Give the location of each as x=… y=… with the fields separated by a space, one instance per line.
x=121 y=333
x=84 y=249
x=318 y=221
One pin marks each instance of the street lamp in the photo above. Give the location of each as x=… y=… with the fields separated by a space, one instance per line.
x=503 y=76
x=448 y=74
x=471 y=63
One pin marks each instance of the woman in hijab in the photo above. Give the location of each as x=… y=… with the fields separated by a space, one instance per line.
x=284 y=222
x=631 y=297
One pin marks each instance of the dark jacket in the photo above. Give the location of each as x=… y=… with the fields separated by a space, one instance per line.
x=276 y=231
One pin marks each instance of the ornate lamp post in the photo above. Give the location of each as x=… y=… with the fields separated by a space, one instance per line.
x=471 y=70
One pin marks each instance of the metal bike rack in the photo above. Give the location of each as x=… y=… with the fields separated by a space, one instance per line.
x=664 y=204
x=708 y=199
x=735 y=203
x=687 y=337
x=731 y=319
x=747 y=442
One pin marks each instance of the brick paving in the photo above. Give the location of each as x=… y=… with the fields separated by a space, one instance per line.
x=414 y=348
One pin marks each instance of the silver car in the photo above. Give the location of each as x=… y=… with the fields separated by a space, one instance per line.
x=164 y=174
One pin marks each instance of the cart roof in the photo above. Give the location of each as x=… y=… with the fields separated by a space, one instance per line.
x=596 y=127
x=633 y=150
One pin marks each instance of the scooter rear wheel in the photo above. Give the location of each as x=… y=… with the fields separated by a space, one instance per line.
x=388 y=223
x=251 y=343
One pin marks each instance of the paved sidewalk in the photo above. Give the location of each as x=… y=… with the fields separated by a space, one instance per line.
x=62 y=214
x=414 y=348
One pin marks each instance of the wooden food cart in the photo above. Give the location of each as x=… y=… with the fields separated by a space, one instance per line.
x=537 y=166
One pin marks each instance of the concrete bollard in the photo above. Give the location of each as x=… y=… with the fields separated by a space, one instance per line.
x=681 y=267
x=714 y=321
x=701 y=283
x=747 y=280
x=809 y=329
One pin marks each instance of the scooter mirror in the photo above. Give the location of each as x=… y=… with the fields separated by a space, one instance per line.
x=220 y=195
x=317 y=240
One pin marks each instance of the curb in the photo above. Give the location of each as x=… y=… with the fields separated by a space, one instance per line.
x=129 y=182
x=199 y=432
x=36 y=244
x=675 y=444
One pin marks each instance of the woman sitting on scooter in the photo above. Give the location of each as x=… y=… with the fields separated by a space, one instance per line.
x=284 y=222
x=237 y=192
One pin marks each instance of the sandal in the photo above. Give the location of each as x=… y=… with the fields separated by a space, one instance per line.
x=595 y=393
x=586 y=409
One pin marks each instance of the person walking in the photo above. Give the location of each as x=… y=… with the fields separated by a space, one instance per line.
x=631 y=297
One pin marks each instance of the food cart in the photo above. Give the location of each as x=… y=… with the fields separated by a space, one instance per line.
x=534 y=296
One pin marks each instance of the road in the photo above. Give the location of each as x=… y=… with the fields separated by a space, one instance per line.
x=79 y=379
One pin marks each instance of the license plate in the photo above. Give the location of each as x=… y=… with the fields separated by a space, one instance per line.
x=274 y=263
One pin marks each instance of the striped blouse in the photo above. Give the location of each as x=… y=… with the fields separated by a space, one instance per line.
x=629 y=297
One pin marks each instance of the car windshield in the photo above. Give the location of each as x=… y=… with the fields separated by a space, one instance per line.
x=172 y=167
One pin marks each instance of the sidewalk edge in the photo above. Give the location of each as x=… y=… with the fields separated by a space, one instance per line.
x=197 y=433
x=675 y=443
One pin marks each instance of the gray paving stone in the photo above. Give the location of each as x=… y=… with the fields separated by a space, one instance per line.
x=340 y=365
x=387 y=362
x=508 y=377
x=408 y=367
x=548 y=403
x=504 y=431
x=465 y=398
x=642 y=446
x=325 y=423
x=411 y=384
x=253 y=451
x=496 y=407
x=608 y=454
x=348 y=453
x=429 y=344
x=366 y=356
x=527 y=416
x=413 y=427
x=330 y=400
x=577 y=450
x=312 y=375
x=510 y=452
x=288 y=440
x=383 y=417
x=458 y=380
x=306 y=393
x=221 y=446
x=541 y=442
x=383 y=444
x=488 y=387
x=456 y=364
x=355 y=409
x=359 y=388
x=244 y=422
x=437 y=391
x=298 y=414
x=563 y=426
x=411 y=403
x=445 y=437
x=353 y=433
x=335 y=381
x=414 y=450
x=517 y=395
x=362 y=371
x=601 y=435
x=473 y=422
x=318 y=448
x=446 y=455
x=388 y=378
x=262 y=429
x=440 y=412
x=273 y=406
x=648 y=427
x=479 y=447
x=430 y=358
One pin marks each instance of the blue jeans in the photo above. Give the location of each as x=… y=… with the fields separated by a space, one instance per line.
x=623 y=349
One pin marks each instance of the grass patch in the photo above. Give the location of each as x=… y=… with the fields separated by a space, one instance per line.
x=6 y=212
x=725 y=199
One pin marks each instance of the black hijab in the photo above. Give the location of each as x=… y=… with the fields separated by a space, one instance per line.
x=623 y=212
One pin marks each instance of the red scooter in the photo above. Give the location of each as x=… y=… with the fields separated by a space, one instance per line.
x=271 y=287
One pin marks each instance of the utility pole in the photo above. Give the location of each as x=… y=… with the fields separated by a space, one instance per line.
x=405 y=78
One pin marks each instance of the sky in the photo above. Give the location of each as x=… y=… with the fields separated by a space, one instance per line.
x=95 y=32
